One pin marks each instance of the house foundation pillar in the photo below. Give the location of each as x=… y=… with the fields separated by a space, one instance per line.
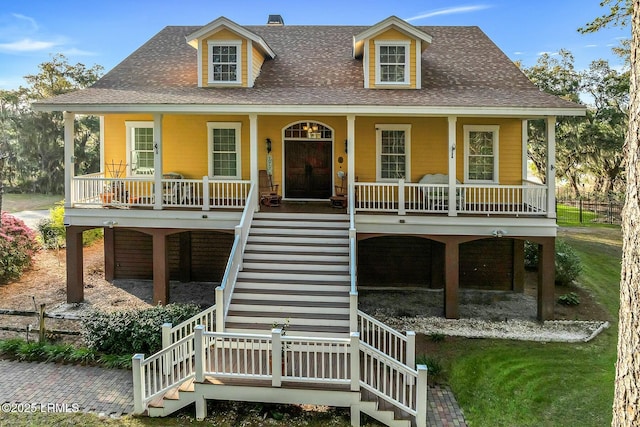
x=452 y=279
x=160 y=268
x=518 y=266
x=109 y=254
x=75 y=273
x=546 y=278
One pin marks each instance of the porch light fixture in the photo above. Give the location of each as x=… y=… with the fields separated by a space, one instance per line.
x=346 y=146
x=498 y=233
x=268 y=143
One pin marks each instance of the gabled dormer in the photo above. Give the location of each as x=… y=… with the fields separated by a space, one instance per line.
x=229 y=55
x=391 y=52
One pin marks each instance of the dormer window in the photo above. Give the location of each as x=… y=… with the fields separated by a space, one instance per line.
x=392 y=62
x=225 y=61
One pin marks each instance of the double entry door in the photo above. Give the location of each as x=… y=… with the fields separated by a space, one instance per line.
x=307 y=169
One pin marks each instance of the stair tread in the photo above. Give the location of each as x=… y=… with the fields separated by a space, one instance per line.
x=298 y=262
x=287 y=303
x=294 y=328
x=309 y=272
x=270 y=315
x=285 y=282
x=314 y=292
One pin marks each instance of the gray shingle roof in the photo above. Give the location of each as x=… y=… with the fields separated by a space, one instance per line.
x=314 y=66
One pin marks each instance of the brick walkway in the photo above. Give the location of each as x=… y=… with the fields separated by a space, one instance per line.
x=110 y=391
x=87 y=388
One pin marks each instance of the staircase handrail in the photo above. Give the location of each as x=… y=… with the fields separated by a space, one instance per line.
x=387 y=340
x=171 y=334
x=162 y=371
x=406 y=388
x=353 y=261
x=234 y=264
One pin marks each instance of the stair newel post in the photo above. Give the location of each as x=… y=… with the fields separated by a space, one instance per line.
x=237 y=231
x=219 y=309
x=354 y=347
x=205 y=193
x=276 y=357
x=198 y=349
x=353 y=311
x=421 y=397
x=410 y=357
x=166 y=335
x=138 y=383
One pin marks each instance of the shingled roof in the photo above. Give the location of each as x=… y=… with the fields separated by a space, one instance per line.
x=314 y=66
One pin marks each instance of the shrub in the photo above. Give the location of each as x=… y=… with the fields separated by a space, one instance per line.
x=133 y=331
x=569 y=299
x=53 y=231
x=433 y=364
x=17 y=247
x=567 y=262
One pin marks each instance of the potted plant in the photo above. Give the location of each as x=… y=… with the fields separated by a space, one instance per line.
x=284 y=347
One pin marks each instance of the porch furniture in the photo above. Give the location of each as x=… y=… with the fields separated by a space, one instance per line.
x=339 y=200
x=268 y=190
x=173 y=192
x=439 y=194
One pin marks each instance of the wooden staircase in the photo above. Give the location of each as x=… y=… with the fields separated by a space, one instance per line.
x=295 y=271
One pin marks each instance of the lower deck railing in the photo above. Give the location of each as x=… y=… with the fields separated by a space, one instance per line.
x=329 y=362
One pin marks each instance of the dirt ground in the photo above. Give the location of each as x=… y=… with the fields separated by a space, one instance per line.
x=44 y=283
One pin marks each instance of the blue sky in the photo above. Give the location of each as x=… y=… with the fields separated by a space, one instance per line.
x=107 y=31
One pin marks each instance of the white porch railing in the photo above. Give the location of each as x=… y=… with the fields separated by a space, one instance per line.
x=99 y=191
x=353 y=263
x=399 y=197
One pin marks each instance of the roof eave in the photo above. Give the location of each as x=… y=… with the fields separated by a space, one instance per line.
x=387 y=110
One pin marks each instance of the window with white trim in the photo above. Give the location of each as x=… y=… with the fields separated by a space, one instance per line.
x=392 y=60
x=481 y=153
x=140 y=153
x=393 y=148
x=225 y=64
x=224 y=150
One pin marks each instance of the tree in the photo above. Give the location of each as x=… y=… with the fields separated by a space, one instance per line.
x=626 y=400
x=35 y=140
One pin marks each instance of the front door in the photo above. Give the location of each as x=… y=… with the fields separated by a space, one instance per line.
x=307 y=169
x=307 y=161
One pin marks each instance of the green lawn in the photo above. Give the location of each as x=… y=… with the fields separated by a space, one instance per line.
x=509 y=383
x=22 y=202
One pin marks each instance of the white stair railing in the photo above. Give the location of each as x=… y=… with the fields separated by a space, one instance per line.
x=234 y=264
x=162 y=371
x=387 y=340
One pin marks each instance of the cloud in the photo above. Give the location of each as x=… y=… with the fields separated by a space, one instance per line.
x=27 y=45
x=448 y=11
x=77 y=52
x=31 y=21
x=591 y=45
x=548 y=53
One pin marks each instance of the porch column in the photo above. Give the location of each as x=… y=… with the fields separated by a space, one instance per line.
x=546 y=278
x=75 y=273
x=157 y=160
x=551 y=167
x=160 y=268
x=452 y=165
x=525 y=149
x=351 y=157
x=102 y=162
x=253 y=150
x=69 y=159
x=452 y=280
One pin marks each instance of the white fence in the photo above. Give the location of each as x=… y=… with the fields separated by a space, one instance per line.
x=400 y=197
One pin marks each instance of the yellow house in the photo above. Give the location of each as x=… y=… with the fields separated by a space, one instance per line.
x=288 y=165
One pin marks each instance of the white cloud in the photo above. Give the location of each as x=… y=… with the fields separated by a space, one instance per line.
x=548 y=53
x=518 y=53
x=77 y=52
x=448 y=11
x=31 y=21
x=27 y=45
x=591 y=45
